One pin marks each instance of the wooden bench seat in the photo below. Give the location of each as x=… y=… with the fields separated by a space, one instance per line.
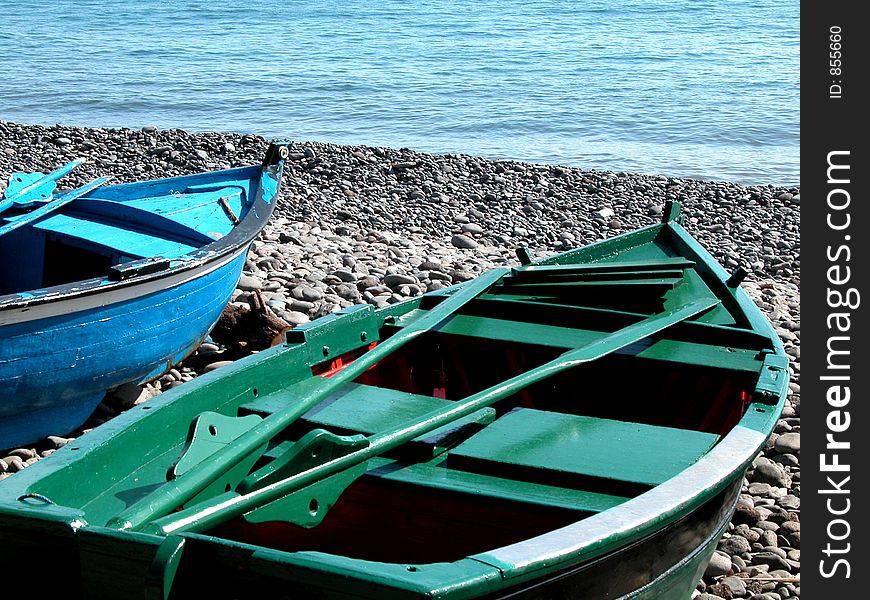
x=365 y=409
x=556 y=446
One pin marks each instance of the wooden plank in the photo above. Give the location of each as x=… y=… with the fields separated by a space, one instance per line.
x=442 y=477
x=594 y=276
x=129 y=243
x=587 y=446
x=651 y=288
x=355 y=407
x=366 y=409
x=520 y=332
x=676 y=262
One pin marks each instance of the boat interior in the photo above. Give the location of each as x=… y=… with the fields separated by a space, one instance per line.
x=58 y=241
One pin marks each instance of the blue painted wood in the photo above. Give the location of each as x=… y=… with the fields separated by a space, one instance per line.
x=54 y=371
x=51 y=206
x=25 y=189
x=64 y=343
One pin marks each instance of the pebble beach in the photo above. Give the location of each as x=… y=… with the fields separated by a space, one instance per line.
x=358 y=224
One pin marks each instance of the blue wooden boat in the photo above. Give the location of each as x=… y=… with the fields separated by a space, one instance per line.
x=105 y=285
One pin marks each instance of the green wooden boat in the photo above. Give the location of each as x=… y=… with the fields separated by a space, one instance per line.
x=575 y=427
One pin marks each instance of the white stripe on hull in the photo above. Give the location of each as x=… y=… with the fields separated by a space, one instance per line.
x=15 y=315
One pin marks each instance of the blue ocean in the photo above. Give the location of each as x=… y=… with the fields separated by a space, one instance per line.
x=685 y=88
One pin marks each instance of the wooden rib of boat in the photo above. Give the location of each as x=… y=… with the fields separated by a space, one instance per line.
x=105 y=285
x=575 y=427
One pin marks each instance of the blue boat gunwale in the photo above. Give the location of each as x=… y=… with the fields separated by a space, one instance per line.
x=240 y=236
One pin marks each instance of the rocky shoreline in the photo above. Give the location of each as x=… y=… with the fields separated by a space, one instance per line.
x=358 y=224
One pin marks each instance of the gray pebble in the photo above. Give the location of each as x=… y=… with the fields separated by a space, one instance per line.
x=735 y=584
x=249 y=283
x=463 y=241
x=771 y=473
x=735 y=544
x=294 y=317
x=788 y=443
x=217 y=365
x=720 y=564
x=395 y=280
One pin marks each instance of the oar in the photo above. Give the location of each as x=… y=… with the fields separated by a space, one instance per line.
x=217 y=510
x=52 y=206
x=177 y=491
x=22 y=194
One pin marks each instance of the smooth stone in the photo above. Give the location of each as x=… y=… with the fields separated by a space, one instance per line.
x=473 y=228
x=127 y=395
x=14 y=464
x=345 y=276
x=463 y=241
x=249 y=283
x=771 y=559
x=431 y=264
x=735 y=544
x=790 y=527
x=57 y=441
x=745 y=514
x=347 y=291
x=216 y=365
x=307 y=293
x=460 y=275
x=301 y=306
x=788 y=443
x=22 y=453
x=789 y=501
x=759 y=489
x=395 y=280
x=720 y=564
x=294 y=317
x=771 y=473
x=735 y=584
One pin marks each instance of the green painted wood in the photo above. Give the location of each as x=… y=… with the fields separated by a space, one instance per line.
x=550 y=311
x=668 y=263
x=690 y=353
x=654 y=287
x=368 y=410
x=579 y=445
x=619 y=277
x=436 y=476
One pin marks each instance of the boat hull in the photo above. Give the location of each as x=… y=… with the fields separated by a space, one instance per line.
x=55 y=369
x=99 y=563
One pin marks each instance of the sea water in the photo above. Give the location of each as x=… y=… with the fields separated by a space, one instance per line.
x=684 y=88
